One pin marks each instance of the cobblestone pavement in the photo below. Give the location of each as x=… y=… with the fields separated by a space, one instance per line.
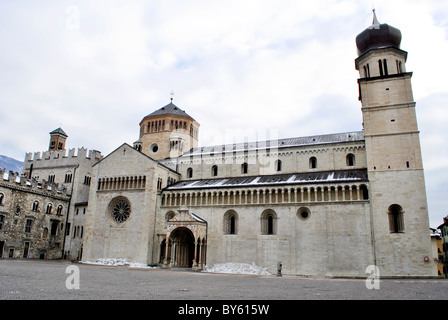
x=51 y=280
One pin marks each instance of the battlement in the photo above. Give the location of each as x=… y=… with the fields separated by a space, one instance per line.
x=21 y=182
x=64 y=154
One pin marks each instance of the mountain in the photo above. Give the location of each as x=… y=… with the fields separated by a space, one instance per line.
x=11 y=164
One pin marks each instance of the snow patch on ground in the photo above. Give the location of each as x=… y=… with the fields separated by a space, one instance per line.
x=237 y=268
x=117 y=262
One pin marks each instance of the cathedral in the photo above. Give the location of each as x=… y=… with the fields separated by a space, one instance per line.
x=327 y=205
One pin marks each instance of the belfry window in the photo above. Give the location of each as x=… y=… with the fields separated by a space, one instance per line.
x=367 y=71
x=189 y=173
x=380 y=65
x=383 y=67
x=399 y=68
x=244 y=168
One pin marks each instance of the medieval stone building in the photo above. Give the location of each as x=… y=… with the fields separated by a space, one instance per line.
x=32 y=217
x=71 y=169
x=328 y=205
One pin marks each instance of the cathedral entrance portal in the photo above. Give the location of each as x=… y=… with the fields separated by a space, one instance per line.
x=182 y=246
x=185 y=242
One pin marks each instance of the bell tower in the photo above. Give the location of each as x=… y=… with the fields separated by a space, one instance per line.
x=388 y=105
x=400 y=220
x=57 y=140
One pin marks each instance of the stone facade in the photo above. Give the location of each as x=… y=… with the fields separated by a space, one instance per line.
x=328 y=205
x=32 y=217
x=71 y=169
x=134 y=178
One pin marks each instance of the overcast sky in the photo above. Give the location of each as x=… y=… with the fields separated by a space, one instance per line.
x=243 y=69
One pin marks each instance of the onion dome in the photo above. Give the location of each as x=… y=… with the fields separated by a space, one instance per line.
x=378 y=36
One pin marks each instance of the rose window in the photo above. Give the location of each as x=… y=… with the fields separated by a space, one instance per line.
x=120 y=210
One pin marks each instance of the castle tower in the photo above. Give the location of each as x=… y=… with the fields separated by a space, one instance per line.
x=400 y=222
x=57 y=140
x=167 y=132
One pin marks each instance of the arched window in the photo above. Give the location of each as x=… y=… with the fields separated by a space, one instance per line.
x=230 y=222
x=399 y=68
x=59 y=210
x=396 y=221
x=189 y=173
x=350 y=160
x=380 y=65
x=215 y=171
x=313 y=163
x=35 y=207
x=2 y=196
x=49 y=208
x=367 y=71
x=68 y=177
x=269 y=222
x=364 y=194
x=244 y=168
x=278 y=165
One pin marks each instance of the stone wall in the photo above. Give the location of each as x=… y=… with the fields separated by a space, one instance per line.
x=33 y=216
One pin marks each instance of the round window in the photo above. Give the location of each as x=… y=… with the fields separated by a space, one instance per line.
x=120 y=209
x=154 y=148
x=303 y=213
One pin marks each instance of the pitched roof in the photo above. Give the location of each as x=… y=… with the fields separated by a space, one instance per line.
x=170 y=108
x=280 y=143
x=60 y=131
x=338 y=176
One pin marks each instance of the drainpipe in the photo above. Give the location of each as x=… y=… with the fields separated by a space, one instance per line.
x=68 y=211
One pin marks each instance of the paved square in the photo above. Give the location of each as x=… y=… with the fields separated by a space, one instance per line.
x=52 y=280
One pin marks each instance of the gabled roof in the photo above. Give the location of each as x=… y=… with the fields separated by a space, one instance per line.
x=134 y=150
